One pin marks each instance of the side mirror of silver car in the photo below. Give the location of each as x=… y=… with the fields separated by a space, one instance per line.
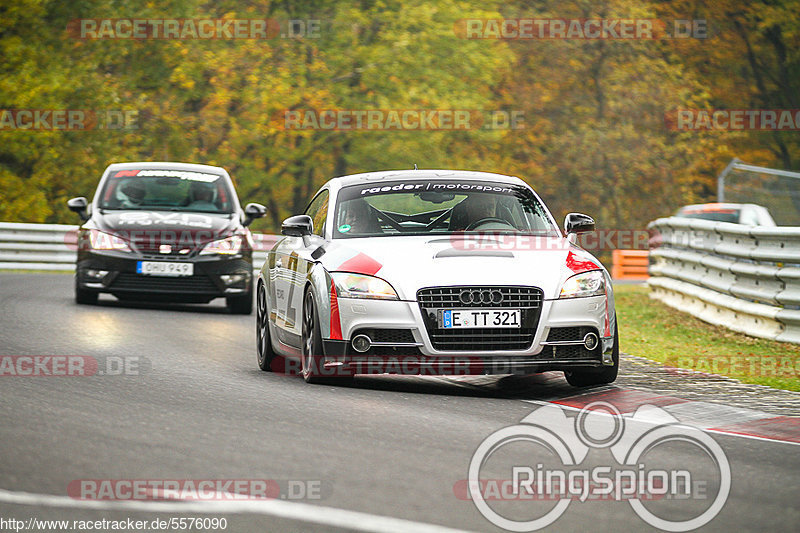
x=578 y=223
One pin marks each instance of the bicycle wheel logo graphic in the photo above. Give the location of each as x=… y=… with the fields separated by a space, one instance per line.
x=631 y=440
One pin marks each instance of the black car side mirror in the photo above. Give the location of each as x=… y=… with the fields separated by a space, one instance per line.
x=80 y=206
x=297 y=226
x=253 y=211
x=578 y=223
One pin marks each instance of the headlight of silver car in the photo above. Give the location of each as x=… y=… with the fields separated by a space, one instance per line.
x=585 y=284
x=360 y=286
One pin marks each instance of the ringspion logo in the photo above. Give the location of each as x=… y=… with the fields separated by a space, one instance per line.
x=666 y=496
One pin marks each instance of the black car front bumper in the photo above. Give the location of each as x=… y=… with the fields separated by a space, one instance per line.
x=213 y=277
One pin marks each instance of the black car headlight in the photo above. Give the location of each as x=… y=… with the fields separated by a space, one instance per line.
x=99 y=240
x=228 y=246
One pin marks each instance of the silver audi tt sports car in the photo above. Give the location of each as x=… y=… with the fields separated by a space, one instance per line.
x=434 y=272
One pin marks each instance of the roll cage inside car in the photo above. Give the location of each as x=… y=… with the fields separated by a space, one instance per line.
x=518 y=212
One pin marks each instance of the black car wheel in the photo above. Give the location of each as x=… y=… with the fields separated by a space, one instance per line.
x=608 y=373
x=263 y=344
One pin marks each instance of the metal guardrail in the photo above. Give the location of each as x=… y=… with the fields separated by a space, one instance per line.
x=745 y=278
x=54 y=247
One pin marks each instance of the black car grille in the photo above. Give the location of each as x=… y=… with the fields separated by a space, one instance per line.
x=567 y=334
x=151 y=248
x=527 y=299
x=163 y=257
x=395 y=336
x=570 y=351
x=198 y=284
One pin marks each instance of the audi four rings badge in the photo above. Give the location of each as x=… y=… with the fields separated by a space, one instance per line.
x=477 y=296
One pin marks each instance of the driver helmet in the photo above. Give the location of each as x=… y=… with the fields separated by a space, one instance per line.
x=202 y=192
x=480 y=206
x=134 y=190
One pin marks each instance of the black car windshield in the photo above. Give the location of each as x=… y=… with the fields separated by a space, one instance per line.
x=439 y=207
x=171 y=190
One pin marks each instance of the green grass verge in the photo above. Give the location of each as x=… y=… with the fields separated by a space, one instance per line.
x=651 y=329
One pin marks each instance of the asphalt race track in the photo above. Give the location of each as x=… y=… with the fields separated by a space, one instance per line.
x=385 y=453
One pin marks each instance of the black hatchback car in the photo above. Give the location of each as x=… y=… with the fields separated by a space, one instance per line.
x=171 y=232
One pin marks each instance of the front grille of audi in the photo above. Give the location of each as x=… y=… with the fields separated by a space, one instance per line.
x=527 y=299
x=569 y=351
x=394 y=336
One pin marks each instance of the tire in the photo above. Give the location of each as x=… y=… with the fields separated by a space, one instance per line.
x=264 y=349
x=607 y=375
x=240 y=305
x=84 y=297
x=311 y=357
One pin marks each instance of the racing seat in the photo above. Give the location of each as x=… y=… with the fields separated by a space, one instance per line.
x=369 y=222
x=505 y=213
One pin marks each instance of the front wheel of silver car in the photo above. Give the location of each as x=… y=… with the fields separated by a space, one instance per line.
x=608 y=374
x=263 y=343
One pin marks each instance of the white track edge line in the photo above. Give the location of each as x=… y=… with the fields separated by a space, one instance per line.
x=709 y=430
x=303 y=512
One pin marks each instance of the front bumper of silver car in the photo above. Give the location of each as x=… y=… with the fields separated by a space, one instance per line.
x=568 y=333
